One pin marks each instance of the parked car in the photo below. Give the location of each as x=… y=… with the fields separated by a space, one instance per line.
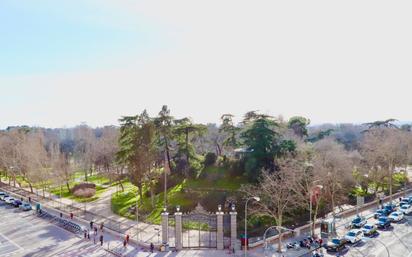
x=336 y=245
x=354 y=236
x=358 y=222
x=2 y=197
x=16 y=203
x=380 y=212
x=25 y=206
x=383 y=222
x=9 y=200
x=406 y=209
x=396 y=216
x=369 y=229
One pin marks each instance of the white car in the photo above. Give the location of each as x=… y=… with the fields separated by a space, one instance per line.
x=406 y=209
x=9 y=200
x=354 y=235
x=396 y=216
x=369 y=229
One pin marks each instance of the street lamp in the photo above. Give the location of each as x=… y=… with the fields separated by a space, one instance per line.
x=257 y=199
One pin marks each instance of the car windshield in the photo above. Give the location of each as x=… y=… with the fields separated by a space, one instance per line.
x=382 y=219
x=351 y=234
x=368 y=226
x=394 y=214
x=404 y=207
x=335 y=241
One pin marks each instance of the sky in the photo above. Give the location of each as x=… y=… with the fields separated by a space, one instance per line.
x=68 y=62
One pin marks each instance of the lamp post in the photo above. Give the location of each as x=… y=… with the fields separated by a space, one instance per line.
x=256 y=198
x=137 y=216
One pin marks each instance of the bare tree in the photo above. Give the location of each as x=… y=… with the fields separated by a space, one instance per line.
x=384 y=149
x=333 y=166
x=278 y=192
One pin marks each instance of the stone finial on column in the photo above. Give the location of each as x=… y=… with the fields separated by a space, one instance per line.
x=219 y=235
x=165 y=227
x=178 y=229
x=233 y=228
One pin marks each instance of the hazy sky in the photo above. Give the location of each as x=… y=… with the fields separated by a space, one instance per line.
x=66 y=62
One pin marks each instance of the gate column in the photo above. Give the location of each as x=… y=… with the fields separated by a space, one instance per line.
x=219 y=235
x=233 y=228
x=178 y=229
x=165 y=227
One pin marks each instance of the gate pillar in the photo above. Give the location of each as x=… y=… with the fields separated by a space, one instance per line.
x=233 y=228
x=219 y=235
x=178 y=230
x=165 y=227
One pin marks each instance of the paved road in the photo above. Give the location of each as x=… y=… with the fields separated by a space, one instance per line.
x=23 y=234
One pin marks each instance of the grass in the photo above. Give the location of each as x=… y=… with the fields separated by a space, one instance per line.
x=186 y=194
x=67 y=194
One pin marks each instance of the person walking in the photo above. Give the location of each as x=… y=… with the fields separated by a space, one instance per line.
x=124 y=243
x=88 y=234
x=127 y=238
x=85 y=233
x=95 y=230
x=71 y=215
x=151 y=247
x=101 y=240
x=61 y=215
x=91 y=224
x=101 y=227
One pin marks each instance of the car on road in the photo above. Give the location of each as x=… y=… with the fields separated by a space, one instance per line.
x=4 y=196
x=389 y=207
x=380 y=212
x=406 y=209
x=354 y=236
x=396 y=216
x=358 y=222
x=335 y=245
x=25 y=206
x=9 y=200
x=17 y=203
x=383 y=222
x=369 y=229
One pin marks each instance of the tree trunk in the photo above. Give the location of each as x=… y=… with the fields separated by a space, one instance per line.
x=121 y=185
x=168 y=153
x=141 y=194
x=68 y=186
x=315 y=215
x=31 y=187
x=152 y=196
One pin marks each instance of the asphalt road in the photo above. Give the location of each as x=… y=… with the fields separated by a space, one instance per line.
x=23 y=234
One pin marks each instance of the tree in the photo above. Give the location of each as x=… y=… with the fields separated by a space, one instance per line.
x=84 y=151
x=230 y=130
x=137 y=149
x=164 y=126
x=263 y=143
x=277 y=192
x=334 y=166
x=384 y=149
x=299 y=126
x=184 y=129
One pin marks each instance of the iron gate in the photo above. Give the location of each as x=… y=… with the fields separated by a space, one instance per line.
x=199 y=229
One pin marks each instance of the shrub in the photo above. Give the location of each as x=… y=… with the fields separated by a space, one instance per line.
x=84 y=190
x=210 y=159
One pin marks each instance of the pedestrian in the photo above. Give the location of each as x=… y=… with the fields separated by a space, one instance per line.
x=71 y=215
x=151 y=247
x=61 y=215
x=95 y=230
x=85 y=233
x=94 y=239
x=21 y=198
x=29 y=199
x=88 y=234
x=127 y=238
x=124 y=243
x=101 y=227
x=101 y=240
x=91 y=224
